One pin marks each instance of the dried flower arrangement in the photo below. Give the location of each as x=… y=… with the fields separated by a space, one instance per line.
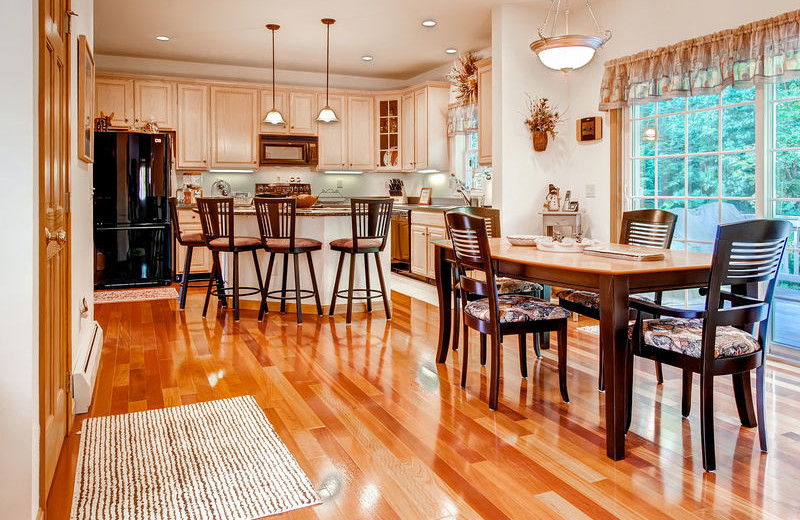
x=464 y=75
x=542 y=120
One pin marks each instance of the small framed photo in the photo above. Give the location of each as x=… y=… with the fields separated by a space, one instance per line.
x=85 y=101
x=573 y=206
x=567 y=200
x=425 y=196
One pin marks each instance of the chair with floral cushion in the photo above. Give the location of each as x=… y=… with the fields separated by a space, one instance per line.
x=505 y=285
x=728 y=336
x=495 y=315
x=645 y=228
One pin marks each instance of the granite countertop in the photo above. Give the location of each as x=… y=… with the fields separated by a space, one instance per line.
x=339 y=210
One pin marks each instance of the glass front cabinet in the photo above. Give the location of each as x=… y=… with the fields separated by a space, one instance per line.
x=388 y=110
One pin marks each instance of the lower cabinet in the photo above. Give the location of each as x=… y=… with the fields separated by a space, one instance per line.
x=201 y=256
x=426 y=227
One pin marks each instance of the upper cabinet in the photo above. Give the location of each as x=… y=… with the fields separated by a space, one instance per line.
x=192 y=131
x=485 y=112
x=388 y=133
x=154 y=101
x=407 y=131
x=234 y=127
x=302 y=113
x=115 y=96
x=333 y=136
x=429 y=135
x=282 y=104
x=361 y=133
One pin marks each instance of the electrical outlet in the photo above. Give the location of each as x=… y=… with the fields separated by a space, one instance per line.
x=590 y=191
x=340 y=183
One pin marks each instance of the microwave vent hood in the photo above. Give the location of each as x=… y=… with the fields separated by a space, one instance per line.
x=288 y=150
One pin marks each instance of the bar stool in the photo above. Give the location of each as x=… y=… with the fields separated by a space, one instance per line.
x=370 y=218
x=217 y=220
x=189 y=241
x=277 y=218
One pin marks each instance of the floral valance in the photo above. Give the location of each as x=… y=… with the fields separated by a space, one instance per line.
x=462 y=119
x=761 y=52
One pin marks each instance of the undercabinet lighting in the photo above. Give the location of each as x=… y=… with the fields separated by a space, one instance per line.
x=427 y=171
x=366 y=57
x=162 y=38
x=343 y=172
x=429 y=23
x=231 y=171
x=450 y=51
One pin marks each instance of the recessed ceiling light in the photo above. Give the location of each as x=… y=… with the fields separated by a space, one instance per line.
x=366 y=57
x=162 y=38
x=429 y=23
x=451 y=51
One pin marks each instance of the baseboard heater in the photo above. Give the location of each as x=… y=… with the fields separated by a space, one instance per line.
x=84 y=371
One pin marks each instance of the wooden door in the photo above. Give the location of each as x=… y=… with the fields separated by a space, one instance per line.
x=114 y=96
x=192 y=131
x=333 y=136
x=421 y=129
x=407 y=131
x=361 y=133
x=302 y=113
x=55 y=406
x=419 y=249
x=154 y=101
x=234 y=128
x=434 y=233
x=282 y=104
x=485 y=112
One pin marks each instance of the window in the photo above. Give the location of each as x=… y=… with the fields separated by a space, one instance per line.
x=710 y=160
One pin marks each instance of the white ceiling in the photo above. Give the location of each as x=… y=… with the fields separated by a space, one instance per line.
x=232 y=32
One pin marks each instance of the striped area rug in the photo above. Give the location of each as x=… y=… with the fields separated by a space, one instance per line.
x=219 y=460
x=135 y=295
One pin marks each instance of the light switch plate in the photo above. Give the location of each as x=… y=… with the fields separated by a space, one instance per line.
x=590 y=191
x=340 y=183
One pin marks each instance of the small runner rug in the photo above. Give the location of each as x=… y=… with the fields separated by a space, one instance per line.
x=590 y=329
x=135 y=295
x=218 y=460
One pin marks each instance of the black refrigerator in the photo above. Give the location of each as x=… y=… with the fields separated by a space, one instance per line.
x=131 y=216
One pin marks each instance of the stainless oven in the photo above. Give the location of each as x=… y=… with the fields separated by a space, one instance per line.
x=288 y=150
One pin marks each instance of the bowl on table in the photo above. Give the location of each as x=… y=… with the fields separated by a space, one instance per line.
x=523 y=240
x=306 y=201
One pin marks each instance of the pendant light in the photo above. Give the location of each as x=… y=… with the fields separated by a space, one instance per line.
x=568 y=51
x=273 y=116
x=327 y=115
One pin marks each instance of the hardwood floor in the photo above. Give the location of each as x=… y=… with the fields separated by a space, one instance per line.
x=385 y=433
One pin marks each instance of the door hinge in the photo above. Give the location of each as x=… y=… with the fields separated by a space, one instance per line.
x=68 y=383
x=68 y=21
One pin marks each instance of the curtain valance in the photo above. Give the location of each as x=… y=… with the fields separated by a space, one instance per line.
x=763 y=51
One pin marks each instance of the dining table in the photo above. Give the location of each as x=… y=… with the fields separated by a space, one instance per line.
x=614 y=279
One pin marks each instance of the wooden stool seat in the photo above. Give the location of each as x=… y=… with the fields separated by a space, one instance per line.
x=301 y=245
x=367 y=245
x=192 y=239
x=223 y=244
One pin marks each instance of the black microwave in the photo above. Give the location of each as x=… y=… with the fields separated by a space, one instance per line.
x=288 y=150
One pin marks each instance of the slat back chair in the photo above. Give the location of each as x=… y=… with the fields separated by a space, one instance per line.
x=745 y=254
x=217 y=218
x=370 y=220
x=493 y=314
x=188 y=240
x=277 y=224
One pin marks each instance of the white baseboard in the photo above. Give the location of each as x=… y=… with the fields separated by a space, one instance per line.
x=84 y=372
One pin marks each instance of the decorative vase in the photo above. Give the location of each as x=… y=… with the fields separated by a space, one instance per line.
x=539 y=140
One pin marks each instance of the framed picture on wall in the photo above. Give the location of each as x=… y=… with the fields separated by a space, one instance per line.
x=425 y=196
x=85 y=101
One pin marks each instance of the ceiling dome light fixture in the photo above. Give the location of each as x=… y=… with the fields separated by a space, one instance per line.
x=450 y=51
x=162 y=38
x=429 y=23
x=327 y=115
x=367 y=57
x=274 y=117
x=567 y=51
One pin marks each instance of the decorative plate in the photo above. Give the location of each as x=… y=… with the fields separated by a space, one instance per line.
x=523 y=240
x=221 y=188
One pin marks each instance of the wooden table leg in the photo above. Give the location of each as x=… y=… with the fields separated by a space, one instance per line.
x=614 y=293
x=742 y=392
x=444 y=289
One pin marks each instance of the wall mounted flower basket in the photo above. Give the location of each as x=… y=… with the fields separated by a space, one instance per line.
x=542 y=119
x=539 y=140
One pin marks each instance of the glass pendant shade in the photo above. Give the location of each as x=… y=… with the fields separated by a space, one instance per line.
x=567 y=52
x=327 y=115
x=274 y=117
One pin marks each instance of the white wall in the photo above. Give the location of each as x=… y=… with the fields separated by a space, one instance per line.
x=637 y=25
x=19 y=259
x=81 y=189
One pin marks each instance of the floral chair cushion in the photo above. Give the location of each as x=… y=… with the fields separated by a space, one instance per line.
x=508 y=285
x=585 y=298
x=684 y=335
x=516 y=308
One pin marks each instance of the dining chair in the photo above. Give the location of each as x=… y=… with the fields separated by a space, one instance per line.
x=498 y=315
x=505 y=285
x=645 y=228
x=728 y=336
x=218 y=223
x=370 y=219
x=277 y=223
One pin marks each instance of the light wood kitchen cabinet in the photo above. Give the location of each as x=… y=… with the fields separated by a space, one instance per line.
x=434 y=233
x=201 y=256
x=282 y=104
x=426 y=227
x=154 y=101
x=485 y=112
x=361 y=133
x=388 y=133
x=407 y=131
x=234 y=127
x=333 y=136
x=302 y=113
x=115 y=96
x=429 y=136
x=192 y=131
x=419 y=250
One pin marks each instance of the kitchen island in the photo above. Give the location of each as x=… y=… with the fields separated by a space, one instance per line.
x=324 y=224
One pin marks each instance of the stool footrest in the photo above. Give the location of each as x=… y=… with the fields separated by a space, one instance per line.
x=228 y=291
x=304 y=293
x=371 y=294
